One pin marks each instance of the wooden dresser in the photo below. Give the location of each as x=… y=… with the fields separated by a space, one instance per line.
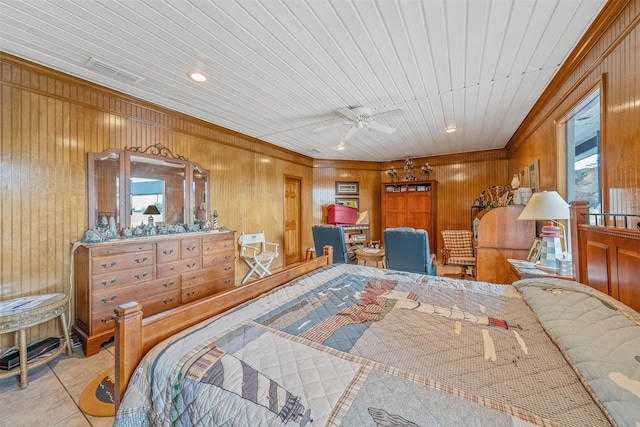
x=159 y=272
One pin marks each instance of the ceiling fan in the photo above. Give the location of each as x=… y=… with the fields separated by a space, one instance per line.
x=360 y=118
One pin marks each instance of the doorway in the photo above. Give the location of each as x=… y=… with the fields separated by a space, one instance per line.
x=291 y=250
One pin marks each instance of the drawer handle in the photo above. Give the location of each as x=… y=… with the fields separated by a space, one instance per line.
x=226 y=282
x=137 y=276
x=226 y=257
x=171 y=268
x=166 y=285
x=208 y=248
x=193 y=264
x=193 y=276
x=167 y=252
x=213 y=259
x=167 y=301
x=190 y=248
x=138 y=260
x=105 y=320
x=227 y=268
x=104 y=299
x=191 y=293
x=104 y=282
x=104 y=264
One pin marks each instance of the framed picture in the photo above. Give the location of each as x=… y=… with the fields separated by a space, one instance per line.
x=352 y=203
x=534 y=251
x=534 y=175
x=347 y=188
x=524 y=178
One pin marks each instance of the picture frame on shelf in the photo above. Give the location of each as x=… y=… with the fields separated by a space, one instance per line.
x=352 y=203
x=524 y=178
x=347 y=188
x=534 y=176
x=534 y=250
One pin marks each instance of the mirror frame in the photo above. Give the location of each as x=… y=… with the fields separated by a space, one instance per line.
x=156 y=153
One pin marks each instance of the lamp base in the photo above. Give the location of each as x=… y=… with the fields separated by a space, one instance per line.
x=550 y=252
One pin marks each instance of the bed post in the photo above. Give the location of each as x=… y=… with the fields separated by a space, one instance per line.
x=579 y=211
x=328 y=251
x=128 y=345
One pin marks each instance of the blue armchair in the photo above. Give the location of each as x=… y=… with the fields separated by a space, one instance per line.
x=331 y=235
x=407 y=249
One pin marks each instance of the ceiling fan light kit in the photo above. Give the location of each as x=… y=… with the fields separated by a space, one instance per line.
x=361 y=118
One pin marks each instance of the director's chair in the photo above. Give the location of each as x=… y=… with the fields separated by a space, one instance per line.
x=253 y=250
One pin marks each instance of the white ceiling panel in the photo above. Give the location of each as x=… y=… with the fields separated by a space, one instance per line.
x=278 y=69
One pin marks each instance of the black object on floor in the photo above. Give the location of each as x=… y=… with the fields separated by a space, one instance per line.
x=12 y=360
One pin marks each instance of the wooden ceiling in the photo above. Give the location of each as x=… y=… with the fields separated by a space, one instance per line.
x=278 y=69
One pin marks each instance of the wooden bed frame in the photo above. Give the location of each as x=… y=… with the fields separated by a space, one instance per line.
x=135 y=336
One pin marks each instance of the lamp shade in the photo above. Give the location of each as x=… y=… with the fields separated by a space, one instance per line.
x=151 y=210
x=545 y=205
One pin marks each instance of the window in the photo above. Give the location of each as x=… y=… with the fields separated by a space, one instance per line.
x=582 y=128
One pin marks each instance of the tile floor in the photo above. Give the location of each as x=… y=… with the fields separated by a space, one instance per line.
x=51 y=399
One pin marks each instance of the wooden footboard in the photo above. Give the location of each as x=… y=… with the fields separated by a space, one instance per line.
x=134 y=337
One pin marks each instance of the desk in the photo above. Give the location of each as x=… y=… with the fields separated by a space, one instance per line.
x=370 y=255
x=30 y=311
x=519 y=270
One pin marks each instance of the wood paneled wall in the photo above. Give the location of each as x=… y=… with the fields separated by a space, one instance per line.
x=609 y=52
x=461 y=179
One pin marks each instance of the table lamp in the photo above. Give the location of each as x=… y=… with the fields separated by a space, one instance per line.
x=548 y=205
x=151 y=210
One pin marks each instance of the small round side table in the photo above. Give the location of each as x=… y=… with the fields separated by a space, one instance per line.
x=20 y=314
x=368 y=255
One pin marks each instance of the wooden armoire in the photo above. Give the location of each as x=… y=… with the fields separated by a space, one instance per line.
x=410 y=204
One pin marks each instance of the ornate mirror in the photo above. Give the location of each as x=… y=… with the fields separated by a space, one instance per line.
x=126 y=185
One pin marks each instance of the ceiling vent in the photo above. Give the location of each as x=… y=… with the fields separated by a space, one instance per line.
x=113 y=71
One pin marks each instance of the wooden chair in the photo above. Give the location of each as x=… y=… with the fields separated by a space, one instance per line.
x=457 y=249
x=257 y=253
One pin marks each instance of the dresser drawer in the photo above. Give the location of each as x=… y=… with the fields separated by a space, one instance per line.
x=177 y=267
x=216 y=242
x=121 y=261
x=216 y=258
x=102 y=321
x=120 y=249
x=122 y=278
x=190 y=248
x=167 y=251
x=192 y=293
x=111 y=298
x=159 y=303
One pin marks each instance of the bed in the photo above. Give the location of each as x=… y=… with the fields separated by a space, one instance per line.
x=352 y=345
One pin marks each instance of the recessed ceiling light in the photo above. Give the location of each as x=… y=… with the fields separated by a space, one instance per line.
x=450 y=130
x=198 y=77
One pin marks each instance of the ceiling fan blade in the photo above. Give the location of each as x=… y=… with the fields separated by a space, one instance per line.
x=351 y=132
x=347 y=112
x=387 y=114
x=381 y=127
x=331 y=124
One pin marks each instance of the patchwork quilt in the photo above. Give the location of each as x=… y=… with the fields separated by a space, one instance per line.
x=352 y=345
